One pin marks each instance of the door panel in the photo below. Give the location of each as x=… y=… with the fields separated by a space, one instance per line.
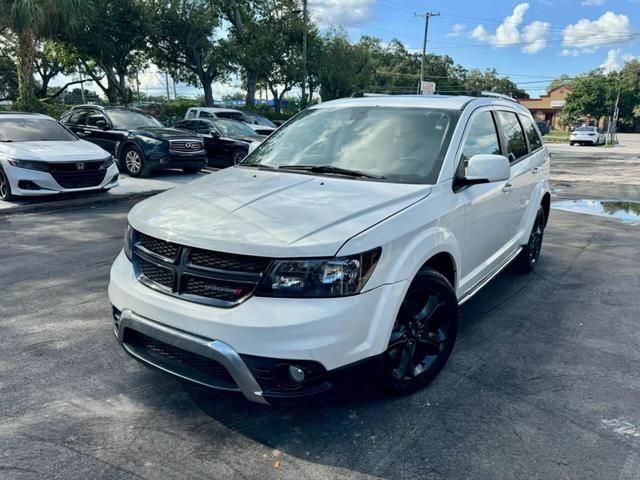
x=489 y=208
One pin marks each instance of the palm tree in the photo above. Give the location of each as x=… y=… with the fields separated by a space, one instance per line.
x=31 y=20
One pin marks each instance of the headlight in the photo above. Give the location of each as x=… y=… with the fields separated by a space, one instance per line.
x=107 y=163
x=319 y=278
x=151 y=141
x=128 y=242
x=30 y=165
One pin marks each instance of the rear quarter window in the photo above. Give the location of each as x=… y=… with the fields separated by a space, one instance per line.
x=535 y=142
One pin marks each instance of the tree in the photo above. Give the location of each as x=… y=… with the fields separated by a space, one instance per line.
x=185 y=40
x=51 y=60
x=592 y=94
x=110 y=44
x=31 y=20
x=478 y=81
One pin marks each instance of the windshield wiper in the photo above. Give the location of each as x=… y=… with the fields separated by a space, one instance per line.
x=257 y=165
x=331 y=169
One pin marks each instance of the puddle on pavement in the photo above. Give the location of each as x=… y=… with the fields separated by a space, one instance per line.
x=626 y=212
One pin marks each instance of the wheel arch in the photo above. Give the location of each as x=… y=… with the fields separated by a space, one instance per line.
x=546 y=205
x=444 y=263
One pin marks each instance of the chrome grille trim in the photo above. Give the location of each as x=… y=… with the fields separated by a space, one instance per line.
x=195 y=283
x=186 y=146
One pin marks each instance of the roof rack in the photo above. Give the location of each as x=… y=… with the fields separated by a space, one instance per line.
x=498 y=95
x=365 y=94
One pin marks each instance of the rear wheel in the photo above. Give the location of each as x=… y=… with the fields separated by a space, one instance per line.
x=528 y=257
x=423 y=334
x=572 y=143
x=5 y=187
x=134 y=162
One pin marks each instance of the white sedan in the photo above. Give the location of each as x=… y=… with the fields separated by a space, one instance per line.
x=38 y=156
x=587 y=136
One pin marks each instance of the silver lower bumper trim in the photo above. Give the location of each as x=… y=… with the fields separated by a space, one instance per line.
x=214 y=350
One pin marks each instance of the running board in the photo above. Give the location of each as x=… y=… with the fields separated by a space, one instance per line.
x=478 y=286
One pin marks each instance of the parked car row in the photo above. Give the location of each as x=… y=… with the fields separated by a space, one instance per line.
x=91 y=144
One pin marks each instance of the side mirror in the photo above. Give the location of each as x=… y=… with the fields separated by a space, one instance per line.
x=484 y=168
x=102 y=124
x=214 y=133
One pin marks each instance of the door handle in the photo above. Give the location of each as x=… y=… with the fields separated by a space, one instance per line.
x=87 y=132
x=535 y=170
x=507 y=188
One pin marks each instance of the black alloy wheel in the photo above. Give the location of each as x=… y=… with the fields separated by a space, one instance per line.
x=530 y=254
x=5 y=187
x=423 y=334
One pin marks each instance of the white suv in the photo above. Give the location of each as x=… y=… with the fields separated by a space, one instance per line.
x=350 y=236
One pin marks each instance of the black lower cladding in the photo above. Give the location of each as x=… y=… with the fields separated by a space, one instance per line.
x=174 y=355
x=270 y=373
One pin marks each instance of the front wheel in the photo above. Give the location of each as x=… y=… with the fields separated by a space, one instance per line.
x=423 y=334
x=530 y=254
x=5 y=187
x=134 y=162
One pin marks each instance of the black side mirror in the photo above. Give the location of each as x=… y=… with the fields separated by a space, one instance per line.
x=102 y=124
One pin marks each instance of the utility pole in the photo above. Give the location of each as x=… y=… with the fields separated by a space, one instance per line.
x=305 y=19
x=175 y=95
x=427 y=16
x=166 y=81
x=138 y=86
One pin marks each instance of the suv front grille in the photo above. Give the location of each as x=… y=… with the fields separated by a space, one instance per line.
x=185 y=146
x=197 y=275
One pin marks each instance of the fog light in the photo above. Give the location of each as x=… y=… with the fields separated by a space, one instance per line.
x=296 y=374
x=164 y=161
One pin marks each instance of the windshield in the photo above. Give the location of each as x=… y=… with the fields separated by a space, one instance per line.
x=400 y=144
x=33 y=130
x=231 y=128
x=586 y=129
x=128 y=120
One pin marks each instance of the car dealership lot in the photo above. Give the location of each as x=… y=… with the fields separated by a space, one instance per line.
x=543 y=383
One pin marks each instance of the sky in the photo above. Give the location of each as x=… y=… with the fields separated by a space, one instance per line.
x=530 y=42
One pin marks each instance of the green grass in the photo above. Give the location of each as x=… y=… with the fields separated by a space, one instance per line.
x=556 y=137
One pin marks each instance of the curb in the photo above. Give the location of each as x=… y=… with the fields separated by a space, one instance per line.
x=96 y=199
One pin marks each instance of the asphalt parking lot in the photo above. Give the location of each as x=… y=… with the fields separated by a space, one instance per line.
x=544 y=382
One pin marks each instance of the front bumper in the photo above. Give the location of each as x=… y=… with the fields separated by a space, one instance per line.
x=321 y=335
x=43 y=183
x=215 y=350
x=172 y=159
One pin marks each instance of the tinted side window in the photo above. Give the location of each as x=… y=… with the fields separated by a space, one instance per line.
x=482 y=139
x=94 y=118
x=191 y=114
x=535 y=142
x=206 y=115
x=516 y=143
x=78 y=117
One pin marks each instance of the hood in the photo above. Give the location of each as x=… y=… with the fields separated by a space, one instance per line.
x=53 y=151
x=263 y=128
x=272 y=214
x=164 y=132
x=246 y=138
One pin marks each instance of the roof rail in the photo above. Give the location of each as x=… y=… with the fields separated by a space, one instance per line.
x=88 y=105
x=365 y=94
x=498 y=95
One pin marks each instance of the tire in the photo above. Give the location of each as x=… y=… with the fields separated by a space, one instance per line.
x=237 y=156
x=528 y=258
x=134 y=162
x=192 y=170
x=5 y=187
x=423 y=334
x=572 y=143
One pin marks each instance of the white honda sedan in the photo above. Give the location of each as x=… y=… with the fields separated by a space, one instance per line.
x=38 y=156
